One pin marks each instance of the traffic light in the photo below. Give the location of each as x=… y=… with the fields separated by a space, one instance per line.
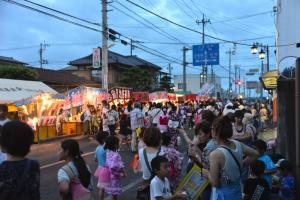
x=238 y=82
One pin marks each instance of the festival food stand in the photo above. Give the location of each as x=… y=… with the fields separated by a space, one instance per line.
x=75 y=99
x=158 y=97
x=140 y=96
x=172 y=97
x=40 y=113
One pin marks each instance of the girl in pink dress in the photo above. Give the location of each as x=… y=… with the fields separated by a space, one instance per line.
x=175 y=160
x=116 y=166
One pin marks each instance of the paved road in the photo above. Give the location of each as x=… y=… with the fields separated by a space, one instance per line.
x=46 y=154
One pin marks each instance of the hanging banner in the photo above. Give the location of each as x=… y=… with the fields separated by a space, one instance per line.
x=73 y=98
x=94 y=96
x=119 y=93
x=172 y=97
x=190 y=97
x=158 y=96
x=96 y=57
x=140 y=96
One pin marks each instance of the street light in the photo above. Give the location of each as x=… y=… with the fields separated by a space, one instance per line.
x=262 y=54
x=254 y=48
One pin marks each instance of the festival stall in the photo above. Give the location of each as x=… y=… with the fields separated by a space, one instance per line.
x=190 y=97
x=172 y=97
x=75 y=100
x=140 y=96
x=158 y=97
x=40 y=113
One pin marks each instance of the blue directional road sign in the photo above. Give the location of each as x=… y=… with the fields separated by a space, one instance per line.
x=207 y=54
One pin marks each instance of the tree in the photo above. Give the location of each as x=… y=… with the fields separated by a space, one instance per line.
x=138 y=79
x=18 y=72
x=165 y=83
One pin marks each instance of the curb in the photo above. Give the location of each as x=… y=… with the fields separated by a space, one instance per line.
x=60 y=138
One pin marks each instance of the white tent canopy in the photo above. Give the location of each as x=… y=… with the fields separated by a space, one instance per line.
x=14 y=90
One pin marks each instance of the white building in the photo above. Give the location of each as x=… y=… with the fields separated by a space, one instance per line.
x=193 y=82
x=288 y=32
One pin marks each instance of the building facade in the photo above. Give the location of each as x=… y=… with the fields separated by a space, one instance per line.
x=193 y=82
x=288 y=32
x=117 y=64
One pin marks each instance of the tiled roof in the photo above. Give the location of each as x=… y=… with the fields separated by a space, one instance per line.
x=11 y=60
x=61 y=77
x=115 y=58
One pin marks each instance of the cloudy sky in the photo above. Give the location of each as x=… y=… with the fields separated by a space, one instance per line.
x=22 y=30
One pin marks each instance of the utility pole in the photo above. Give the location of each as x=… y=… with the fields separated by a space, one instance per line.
x=131 y=46
x=239 y=80
x=261 y=87
x=235 y=78
x=230 y=52
x=104 y=46
x=170 y=68
x=204 y=68
x=41 y=51
x=184 y=64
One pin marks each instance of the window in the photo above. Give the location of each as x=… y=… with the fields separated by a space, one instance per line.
x=96 y=75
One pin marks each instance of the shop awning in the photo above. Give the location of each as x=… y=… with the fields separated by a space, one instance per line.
x=14 y=90
x=269 y=80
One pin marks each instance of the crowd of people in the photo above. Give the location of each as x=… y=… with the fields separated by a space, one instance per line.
x=225 y=145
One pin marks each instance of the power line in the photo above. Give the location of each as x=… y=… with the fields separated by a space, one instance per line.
x=19 y=48
x=63 y=13
x=51 y=15
x=182 y=9
x=243 y=17
x=193 y=30
x=169 y=35
x=75 y=23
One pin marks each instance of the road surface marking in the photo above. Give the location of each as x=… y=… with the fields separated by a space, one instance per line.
x=127 y=187
x=60 y=162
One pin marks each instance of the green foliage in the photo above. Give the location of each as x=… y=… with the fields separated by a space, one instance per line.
x=138 y=79
x=18 y=72
x=165 y=83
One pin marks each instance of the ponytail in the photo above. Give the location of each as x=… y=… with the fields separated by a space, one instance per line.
x=84 y=173
x=74 y=152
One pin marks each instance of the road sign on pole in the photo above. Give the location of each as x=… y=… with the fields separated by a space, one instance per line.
x=207 y=54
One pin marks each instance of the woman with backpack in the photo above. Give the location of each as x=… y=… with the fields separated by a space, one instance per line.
x=74 y=178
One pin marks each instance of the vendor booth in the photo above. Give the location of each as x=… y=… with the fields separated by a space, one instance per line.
x=40 y=112
x=140 y=96
x=75 y=100
x=158 y=97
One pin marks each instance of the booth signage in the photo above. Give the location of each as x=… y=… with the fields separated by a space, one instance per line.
x=172 y=97
x=140 y=96
x=158 y=96
x=119 y=93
